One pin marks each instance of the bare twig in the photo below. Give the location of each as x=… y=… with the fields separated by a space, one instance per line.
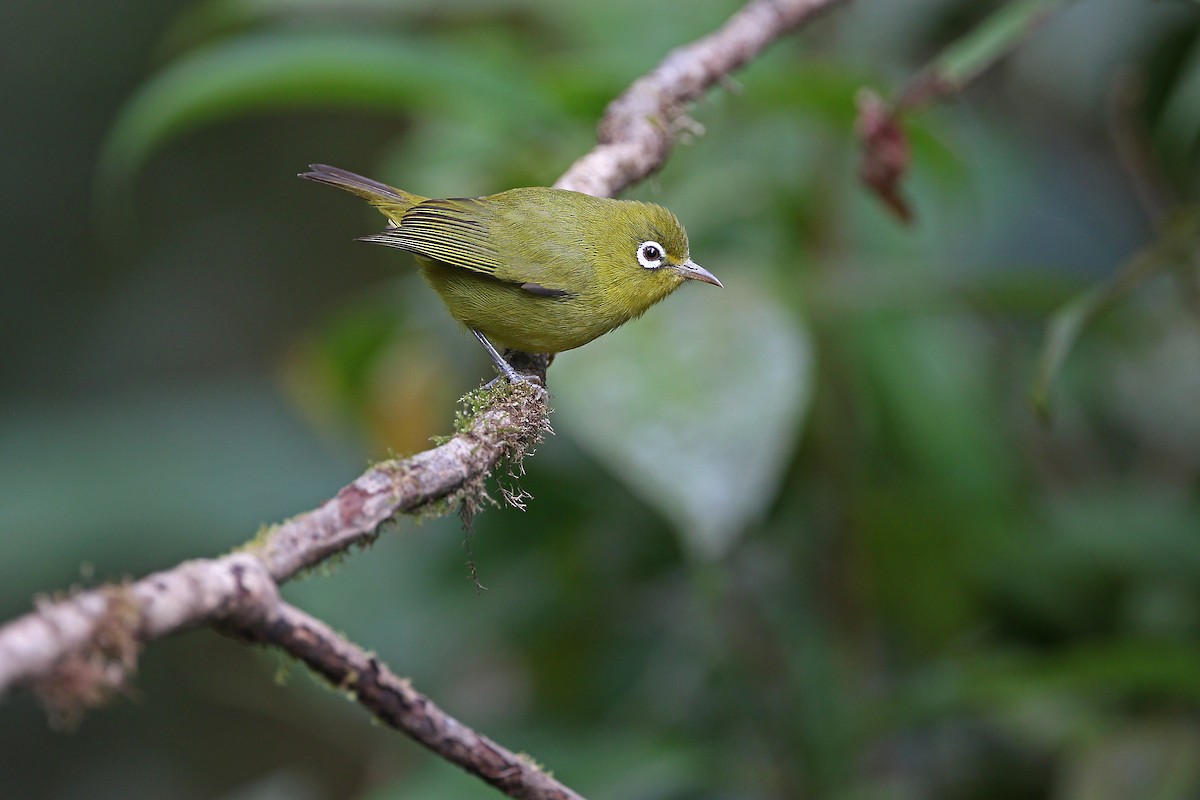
x=1131 y=142
x=393 y=701
x=78 y=650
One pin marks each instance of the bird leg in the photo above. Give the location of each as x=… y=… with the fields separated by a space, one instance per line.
x=502 y=366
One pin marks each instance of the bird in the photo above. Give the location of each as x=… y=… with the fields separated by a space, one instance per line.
x=534 y=269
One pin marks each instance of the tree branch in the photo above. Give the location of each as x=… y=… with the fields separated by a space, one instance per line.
x=92 y=626
x=393 y=700
x=638 y=130
x=77 y=651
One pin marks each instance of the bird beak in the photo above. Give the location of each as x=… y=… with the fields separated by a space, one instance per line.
x=693 y=271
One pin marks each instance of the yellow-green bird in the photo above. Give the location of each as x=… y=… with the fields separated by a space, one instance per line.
x=535 y=269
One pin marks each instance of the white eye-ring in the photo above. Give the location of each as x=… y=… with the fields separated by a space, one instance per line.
x=651 y=254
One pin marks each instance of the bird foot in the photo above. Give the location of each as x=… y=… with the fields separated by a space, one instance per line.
x=514 y=379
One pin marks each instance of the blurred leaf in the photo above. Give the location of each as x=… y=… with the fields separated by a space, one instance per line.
x=695 y=407
x=280 y=71
x=1177 y=248
x=931 y=383
x=204 y=20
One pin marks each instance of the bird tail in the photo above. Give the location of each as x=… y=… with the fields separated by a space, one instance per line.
x=390 y=201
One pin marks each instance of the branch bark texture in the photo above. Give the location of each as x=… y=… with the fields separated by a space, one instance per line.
x=76 y=651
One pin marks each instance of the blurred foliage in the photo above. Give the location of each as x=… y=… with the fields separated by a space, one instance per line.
x=805 y=537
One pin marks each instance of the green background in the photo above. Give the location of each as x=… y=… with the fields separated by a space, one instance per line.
x=802 y=537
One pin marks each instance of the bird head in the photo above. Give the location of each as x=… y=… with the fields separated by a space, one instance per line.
x=650 y=254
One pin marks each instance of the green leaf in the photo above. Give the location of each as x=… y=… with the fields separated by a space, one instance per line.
x=257 y=73
x=695 y=407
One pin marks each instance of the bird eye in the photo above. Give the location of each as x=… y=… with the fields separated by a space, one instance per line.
x=650 y=255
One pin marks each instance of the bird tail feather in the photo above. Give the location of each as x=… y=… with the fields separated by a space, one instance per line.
x=392 y=202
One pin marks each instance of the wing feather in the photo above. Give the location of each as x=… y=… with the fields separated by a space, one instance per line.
x=454 y=231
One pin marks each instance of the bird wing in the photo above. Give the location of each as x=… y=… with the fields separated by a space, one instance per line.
x=454 y=231
x=477 y=235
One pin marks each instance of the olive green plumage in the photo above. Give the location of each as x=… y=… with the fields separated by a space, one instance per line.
x=535 y=269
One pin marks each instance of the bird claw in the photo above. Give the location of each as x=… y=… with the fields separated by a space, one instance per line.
x=513 y=378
